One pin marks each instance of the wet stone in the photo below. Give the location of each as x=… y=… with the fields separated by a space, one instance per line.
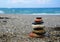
x=7 y=18
x=4 y=18
x=1 y=17
x=4 y=21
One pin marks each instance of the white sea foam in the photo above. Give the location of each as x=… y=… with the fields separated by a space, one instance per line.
x=2 y=12
x=42 y=14
x=46 y=14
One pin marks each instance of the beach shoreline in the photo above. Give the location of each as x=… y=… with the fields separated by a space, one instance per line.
x=46 y=18
x=21 y=24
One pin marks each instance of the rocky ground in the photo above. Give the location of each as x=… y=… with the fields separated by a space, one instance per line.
x=16 y=28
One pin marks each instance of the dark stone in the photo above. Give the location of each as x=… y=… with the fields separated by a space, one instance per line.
x=7 y=18
x=49 y=41
x=4 y=21
x=35 y=23
x=57 y=35
x=38 y=28
x=4 y=35
x=38 y=17
x=1 y=17
x=40 y=33
x=57 y=28
x=4 y=18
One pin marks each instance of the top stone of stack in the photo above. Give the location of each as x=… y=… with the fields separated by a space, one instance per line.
x=38 y=19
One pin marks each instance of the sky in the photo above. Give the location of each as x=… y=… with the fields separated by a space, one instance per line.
x=29 y=3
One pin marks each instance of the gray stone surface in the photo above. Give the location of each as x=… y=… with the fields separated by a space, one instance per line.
x=17 y=28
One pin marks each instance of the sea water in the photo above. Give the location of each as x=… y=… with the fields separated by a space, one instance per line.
x=33 y=11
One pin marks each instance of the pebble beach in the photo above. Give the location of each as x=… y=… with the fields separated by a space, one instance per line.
x=17 y=27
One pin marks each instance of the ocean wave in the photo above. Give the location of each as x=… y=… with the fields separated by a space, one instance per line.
x=2 y=12
x=31 y=11
x=45 y=14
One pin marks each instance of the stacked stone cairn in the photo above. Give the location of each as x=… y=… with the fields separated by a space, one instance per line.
x=38 y=28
